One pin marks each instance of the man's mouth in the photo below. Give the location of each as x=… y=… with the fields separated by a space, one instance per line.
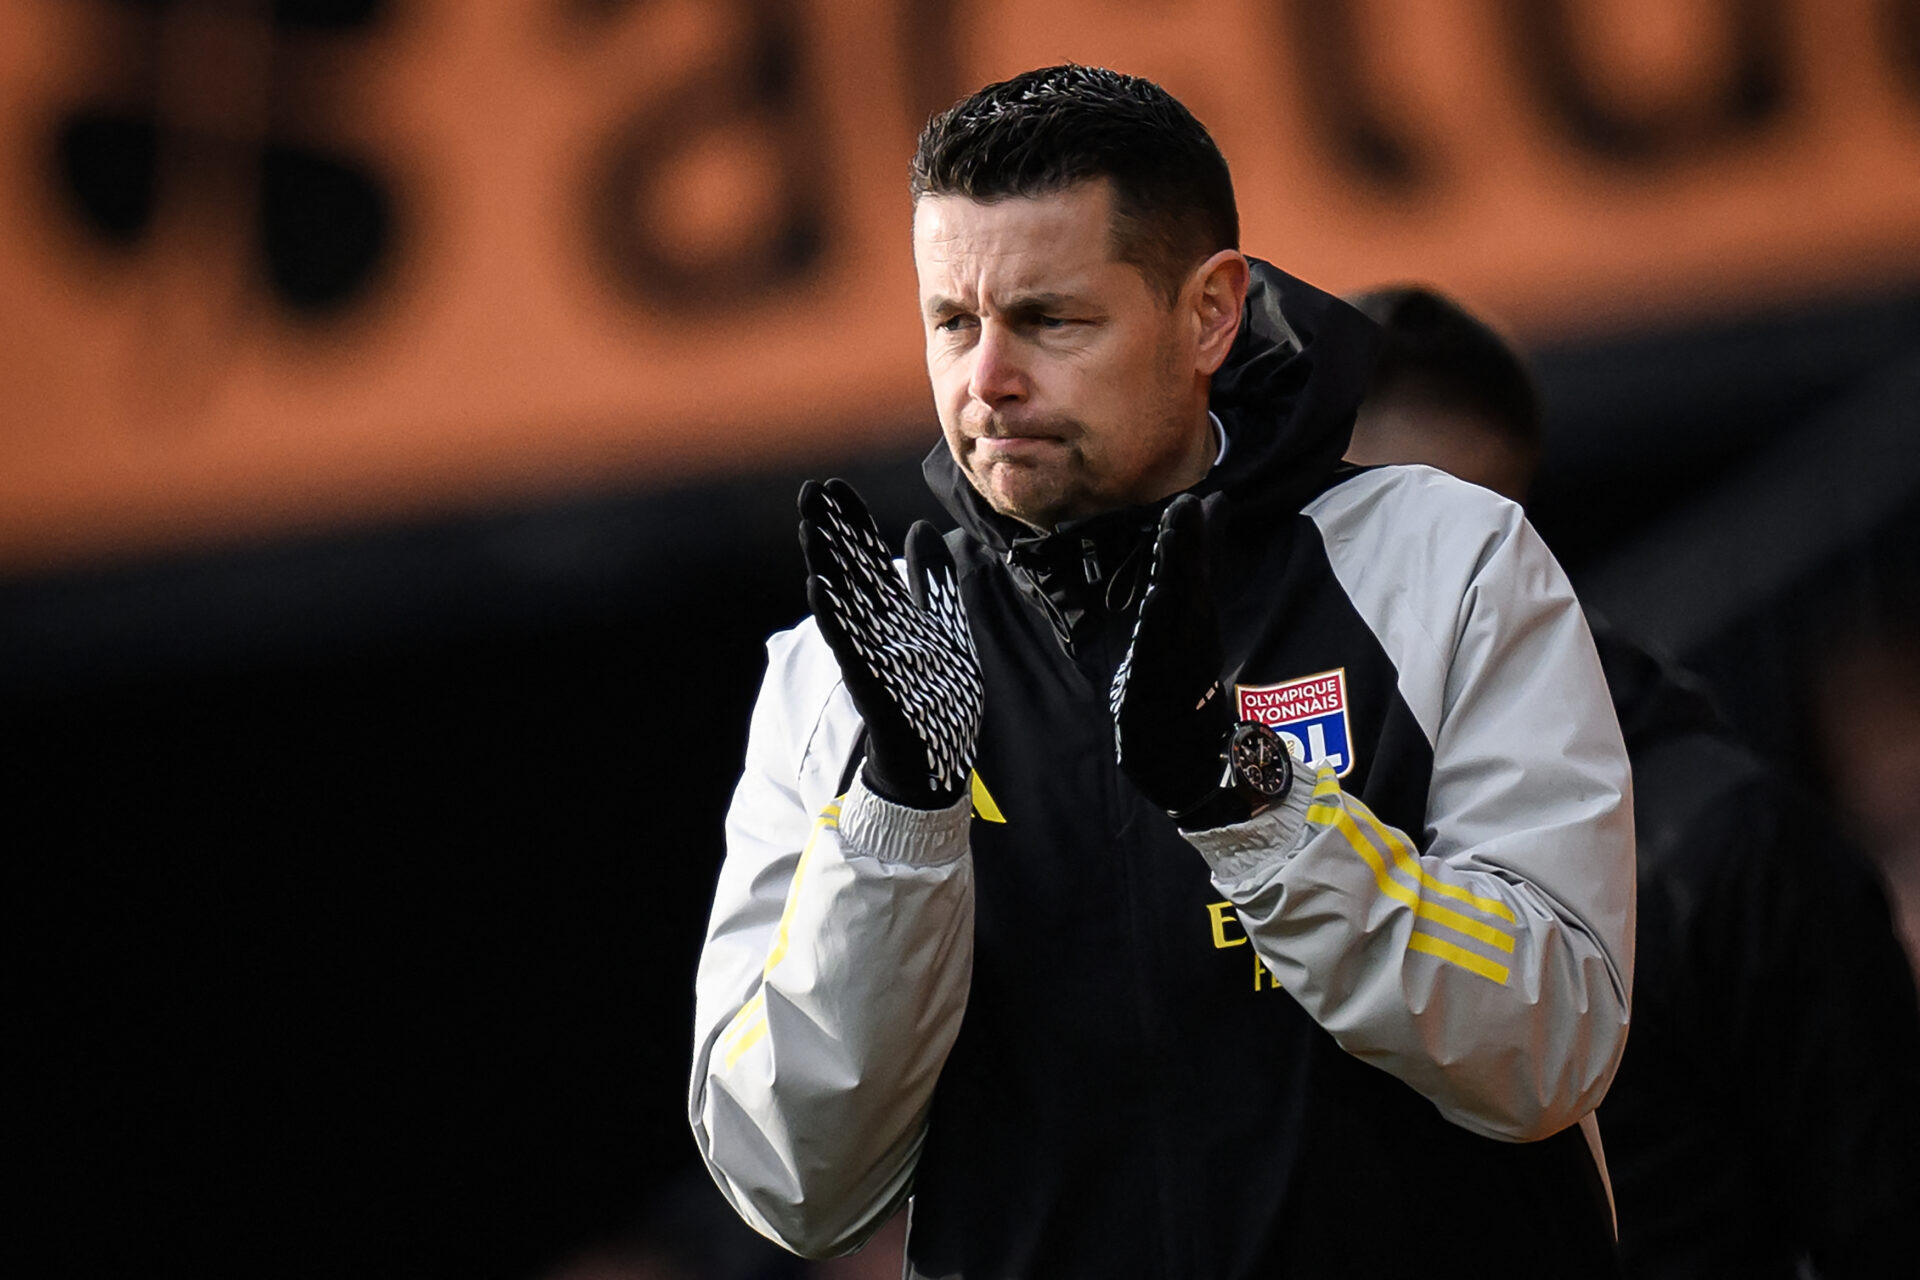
x=1012 y=447
x=995 y=436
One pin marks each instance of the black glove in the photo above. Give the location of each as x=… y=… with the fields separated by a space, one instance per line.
x=1170 y=715
x=907 y=657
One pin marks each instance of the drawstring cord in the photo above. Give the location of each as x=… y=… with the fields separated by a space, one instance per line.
x=1131 y=572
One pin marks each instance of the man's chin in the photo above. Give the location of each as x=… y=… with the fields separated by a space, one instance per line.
x=1034 y=500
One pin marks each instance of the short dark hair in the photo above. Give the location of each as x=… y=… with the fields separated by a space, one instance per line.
x=1440 y=355
x=1046 y=130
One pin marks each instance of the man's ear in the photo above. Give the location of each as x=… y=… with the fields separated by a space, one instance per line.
x=1217 y=293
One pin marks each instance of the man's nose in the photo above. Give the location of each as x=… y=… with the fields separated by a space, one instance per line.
x=998 y=377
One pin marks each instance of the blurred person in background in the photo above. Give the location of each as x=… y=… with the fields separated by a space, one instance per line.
x=1764 y=1115
x=1867 y=711
x=1143 y=995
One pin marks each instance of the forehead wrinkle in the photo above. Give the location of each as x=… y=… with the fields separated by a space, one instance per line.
x=1008 y=303
x=975 y=272
x=962 y=247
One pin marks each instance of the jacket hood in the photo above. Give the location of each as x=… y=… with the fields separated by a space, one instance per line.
x=1286 y=393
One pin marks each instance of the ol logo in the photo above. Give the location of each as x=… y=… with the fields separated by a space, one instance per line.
x=1309 y=714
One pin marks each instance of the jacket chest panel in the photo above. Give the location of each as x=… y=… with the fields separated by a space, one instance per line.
x=1086 y=887
x=1084 y=877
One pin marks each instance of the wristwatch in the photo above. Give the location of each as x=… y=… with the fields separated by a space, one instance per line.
x=1256 y=770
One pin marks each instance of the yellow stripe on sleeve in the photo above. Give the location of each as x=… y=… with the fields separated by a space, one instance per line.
x=1329 y=785
x=829 y=817
x=755 y=1032
x=1466 y=959
x=1404 y=859
x=1334 y=816
x=747 y=1011
x=1337 y=817
x=749 y=1025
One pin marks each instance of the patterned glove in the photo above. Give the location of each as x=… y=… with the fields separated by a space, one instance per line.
x=907 y=656
x=1170 y=716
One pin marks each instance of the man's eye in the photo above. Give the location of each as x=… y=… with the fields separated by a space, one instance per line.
x=954 y=324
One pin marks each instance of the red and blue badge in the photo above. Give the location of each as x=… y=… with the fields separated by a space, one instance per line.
x=1309 y=714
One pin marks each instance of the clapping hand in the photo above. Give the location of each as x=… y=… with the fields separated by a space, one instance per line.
x=903 y=647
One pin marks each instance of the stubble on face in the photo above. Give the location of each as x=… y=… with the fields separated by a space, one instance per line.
x=1076 y=474
x=1025 y=469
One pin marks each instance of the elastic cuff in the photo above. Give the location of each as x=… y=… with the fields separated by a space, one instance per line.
x=879 y=828
x=1245 y=848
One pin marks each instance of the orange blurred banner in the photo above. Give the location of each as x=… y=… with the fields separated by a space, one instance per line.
x=269 y=267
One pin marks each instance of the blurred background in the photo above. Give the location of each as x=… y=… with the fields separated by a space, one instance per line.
x=401 y=404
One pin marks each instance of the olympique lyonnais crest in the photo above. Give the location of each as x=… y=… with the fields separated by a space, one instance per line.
x=1309 y=714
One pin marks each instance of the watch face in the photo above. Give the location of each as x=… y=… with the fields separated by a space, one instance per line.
x=1260 y=758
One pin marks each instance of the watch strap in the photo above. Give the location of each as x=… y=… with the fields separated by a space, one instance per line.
x=1224 y=808
x=1235 y=799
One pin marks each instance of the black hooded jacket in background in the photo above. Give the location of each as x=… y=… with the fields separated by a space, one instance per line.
x=1768 y=1106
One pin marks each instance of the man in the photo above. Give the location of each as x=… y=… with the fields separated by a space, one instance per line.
x=1029 y=913
x=1764 y=1112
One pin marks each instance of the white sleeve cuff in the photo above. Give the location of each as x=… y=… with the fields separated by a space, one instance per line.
x=1250 y=852
x=879 y=828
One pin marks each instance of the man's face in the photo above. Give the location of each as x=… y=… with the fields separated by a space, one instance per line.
x=1066 y=384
